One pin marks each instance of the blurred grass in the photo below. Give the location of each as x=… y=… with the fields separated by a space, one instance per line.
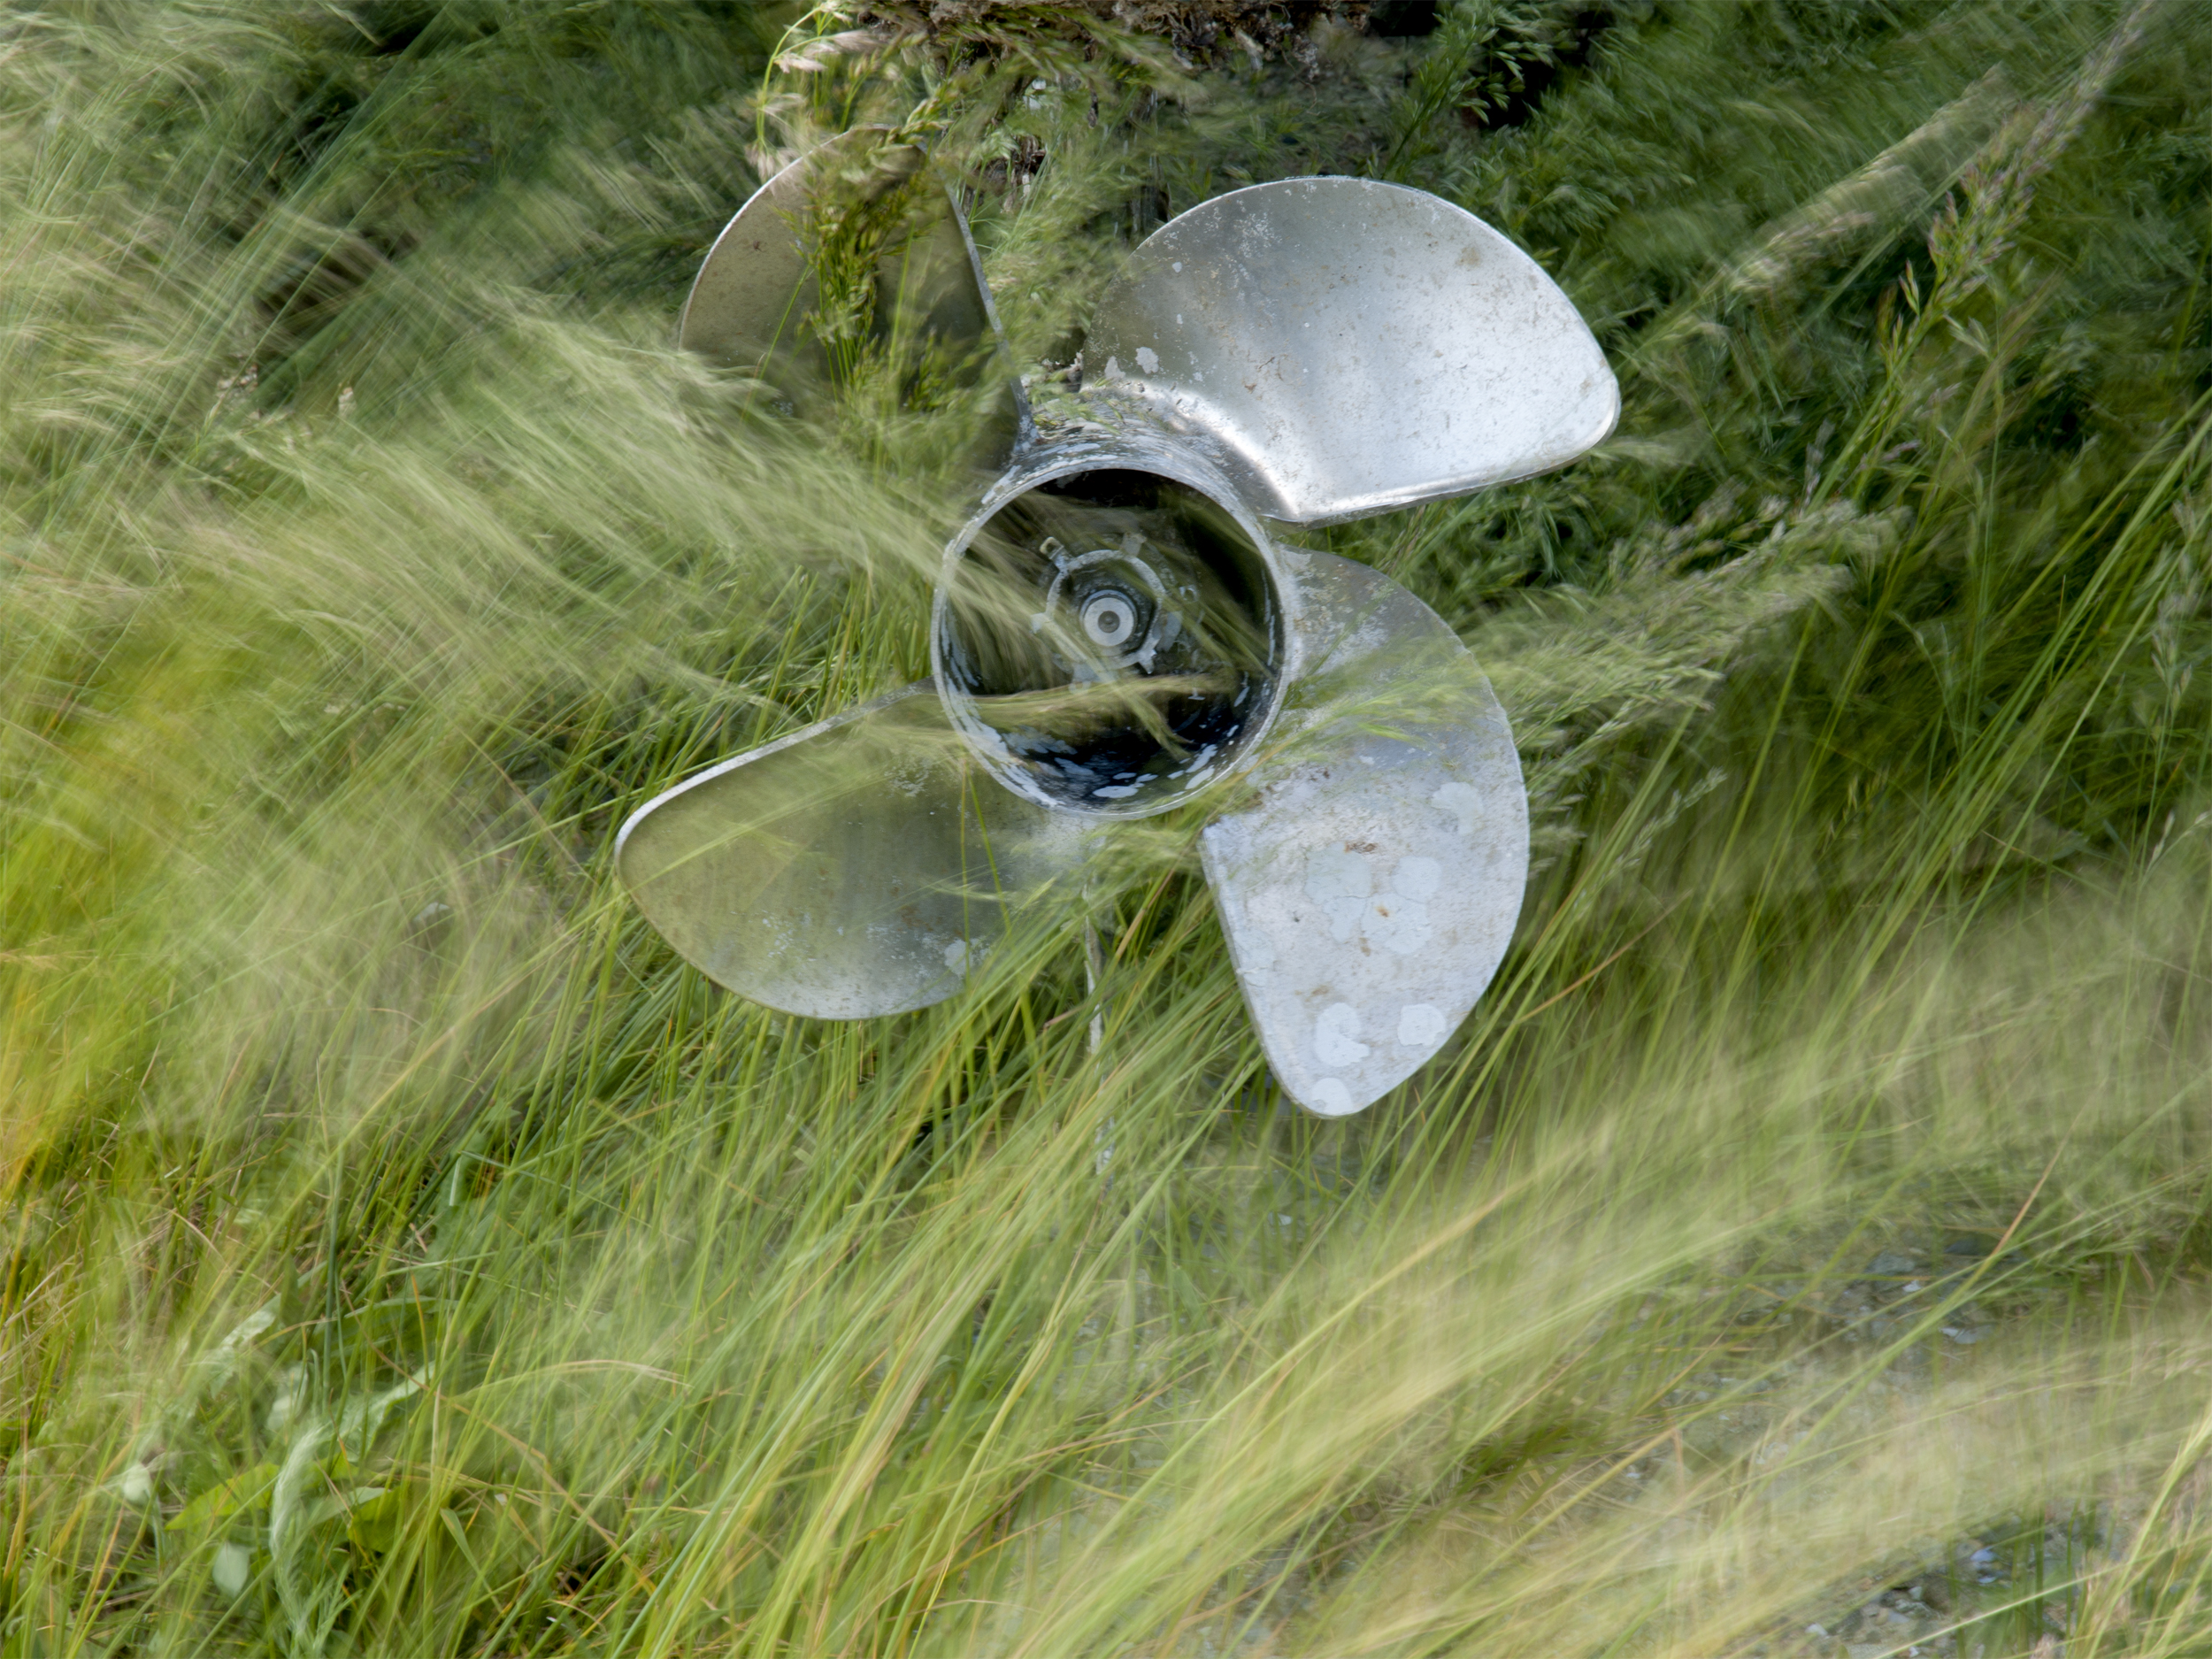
x=400 y=1252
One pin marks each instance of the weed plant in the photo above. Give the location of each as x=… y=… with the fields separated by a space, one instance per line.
x=1804 y=1244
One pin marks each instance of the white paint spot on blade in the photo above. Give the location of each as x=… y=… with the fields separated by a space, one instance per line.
x=1148 y=359
x=1398 y=920
x=1330 y=1098
x=1398 y=925
x=1417 y=878
x=956 y=956
x=1340 y=883
x=1461 y=799
x=1259 y=956
x=1421 y=1025
x=1336 y=1042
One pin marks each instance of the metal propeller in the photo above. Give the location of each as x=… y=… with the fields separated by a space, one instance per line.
x=1118 y=628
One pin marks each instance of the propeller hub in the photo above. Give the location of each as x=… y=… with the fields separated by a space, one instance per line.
x=1111 y=640
x=1110 y=618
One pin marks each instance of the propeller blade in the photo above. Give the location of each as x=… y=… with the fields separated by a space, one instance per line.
x=859 y=867
x=750 y=303
x=1370 y=882
x=1341 y=346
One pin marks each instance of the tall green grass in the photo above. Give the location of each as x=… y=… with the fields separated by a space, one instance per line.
x=403 y=1254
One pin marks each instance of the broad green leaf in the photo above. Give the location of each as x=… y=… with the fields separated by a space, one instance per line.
x=244 y=1490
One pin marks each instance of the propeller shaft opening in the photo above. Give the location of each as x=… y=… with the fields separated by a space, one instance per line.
x=1111 y=641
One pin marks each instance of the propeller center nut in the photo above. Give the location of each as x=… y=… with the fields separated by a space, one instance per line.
x=1120 y=603
x=1110 y=618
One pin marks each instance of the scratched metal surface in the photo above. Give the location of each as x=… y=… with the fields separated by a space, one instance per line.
x=1342 y=347
x=1368 y=883
x=861 y=866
